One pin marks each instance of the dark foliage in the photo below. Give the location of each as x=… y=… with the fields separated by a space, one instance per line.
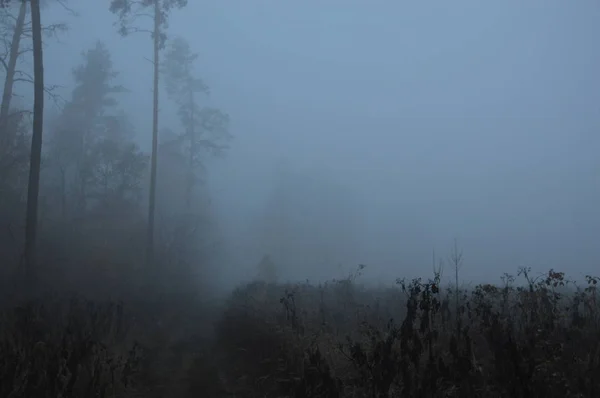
x=303 y=341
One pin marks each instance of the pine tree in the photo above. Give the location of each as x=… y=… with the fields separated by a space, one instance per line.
x=205 y=129
x=128 y=11
x=90 y=148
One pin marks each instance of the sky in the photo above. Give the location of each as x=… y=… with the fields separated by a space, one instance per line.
x=468 y=120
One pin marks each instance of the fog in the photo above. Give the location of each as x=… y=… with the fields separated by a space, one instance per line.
x=377 y=133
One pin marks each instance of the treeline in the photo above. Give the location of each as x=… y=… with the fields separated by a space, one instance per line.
x=95 y=206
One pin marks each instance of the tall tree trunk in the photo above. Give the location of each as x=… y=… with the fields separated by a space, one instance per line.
x=153 y=165
x=9 y=80
x=36 y=140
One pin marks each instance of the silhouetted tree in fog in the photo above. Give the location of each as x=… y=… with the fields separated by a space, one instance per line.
x=128 y=11
x=91 y=153
x=11 y=67
x=311 y=223
x=18 y=155
x=17 y=28
x=205 y=129
x=36 y=138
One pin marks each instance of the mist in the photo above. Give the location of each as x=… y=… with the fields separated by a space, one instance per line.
x=393 y=129
x=299 y=199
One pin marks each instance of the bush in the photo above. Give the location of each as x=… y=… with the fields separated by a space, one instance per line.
x=541 y=339
x=338 y=339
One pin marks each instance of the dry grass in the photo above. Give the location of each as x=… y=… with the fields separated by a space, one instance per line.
x=542 y=339
x=333 y=340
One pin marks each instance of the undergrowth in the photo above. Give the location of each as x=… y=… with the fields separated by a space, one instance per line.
x=540 y=338
x=537 y=339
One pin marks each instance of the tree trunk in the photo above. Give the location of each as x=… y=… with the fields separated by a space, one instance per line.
x=153 y=165
x=10 y=73
x=36 y=140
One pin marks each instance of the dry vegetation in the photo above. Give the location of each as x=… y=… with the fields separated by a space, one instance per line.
x=337 y=339
x=97 y=317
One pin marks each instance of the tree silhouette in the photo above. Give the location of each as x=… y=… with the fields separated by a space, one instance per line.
x=128 y=12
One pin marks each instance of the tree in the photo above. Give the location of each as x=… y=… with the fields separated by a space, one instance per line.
x=19 y=29
x=15 y=121
x=310 y=224
x=38 y=114
x=128 y=11
x=36 y=138
x=90 y=148
x=10 y=67
x=116 y=173
x=205 y=129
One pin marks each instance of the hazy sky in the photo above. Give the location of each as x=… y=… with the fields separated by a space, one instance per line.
x=468 y=119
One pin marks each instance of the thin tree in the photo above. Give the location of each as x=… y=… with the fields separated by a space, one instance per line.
x=11 y=67
x=20 y=30
x=128 y=11
x=36 y=140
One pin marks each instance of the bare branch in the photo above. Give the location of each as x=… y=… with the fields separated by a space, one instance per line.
x=22 y=73
x=63 y=4
x=49 y=31
x=49 y=90
x=23 y=51
x=143 y=14
x=130 y=30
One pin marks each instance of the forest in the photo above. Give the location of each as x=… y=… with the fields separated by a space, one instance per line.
x=113 y=253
